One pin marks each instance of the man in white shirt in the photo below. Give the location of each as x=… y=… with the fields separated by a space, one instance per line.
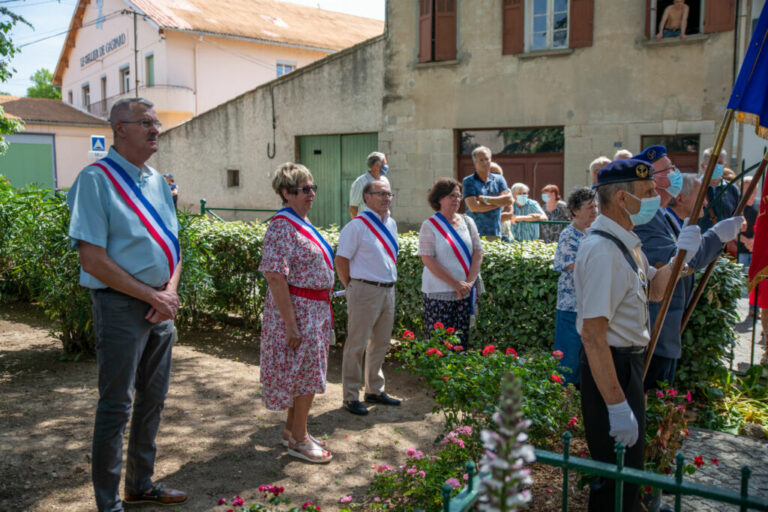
x=366 y=261
x=377 y=168
x=613 y=284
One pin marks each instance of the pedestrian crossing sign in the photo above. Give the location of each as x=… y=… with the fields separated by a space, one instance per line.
x=98 y=146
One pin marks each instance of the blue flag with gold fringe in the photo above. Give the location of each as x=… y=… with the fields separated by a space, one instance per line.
x=749 y=99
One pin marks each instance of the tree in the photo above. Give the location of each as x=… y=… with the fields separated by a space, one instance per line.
x=8 y=19
x=43 y=87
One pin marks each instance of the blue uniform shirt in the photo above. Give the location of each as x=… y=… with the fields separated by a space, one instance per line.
x=100 y=216
x=488 y=223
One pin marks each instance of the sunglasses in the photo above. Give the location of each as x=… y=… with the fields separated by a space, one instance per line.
x=306 y=189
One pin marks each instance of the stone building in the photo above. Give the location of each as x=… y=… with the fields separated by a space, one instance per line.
x=547 y=84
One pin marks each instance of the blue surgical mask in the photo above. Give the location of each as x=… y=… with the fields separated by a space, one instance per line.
x=648 y=208
x=544 y=197
x=718 y=172
x=522 y=199
x=384 y=169
x=675 y=182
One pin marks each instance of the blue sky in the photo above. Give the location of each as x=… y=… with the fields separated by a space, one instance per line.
x=51 y=17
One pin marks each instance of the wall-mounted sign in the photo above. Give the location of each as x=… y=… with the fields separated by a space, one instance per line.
x=111 y=45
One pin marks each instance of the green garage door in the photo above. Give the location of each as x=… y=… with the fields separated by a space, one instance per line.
x=335 y=162
x=29 y=160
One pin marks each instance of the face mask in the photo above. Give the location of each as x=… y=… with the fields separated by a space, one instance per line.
x=718 y=172
x=544 y=197
x=675 y=182
x=521 y=200
x=384 y=169
x=648 y=208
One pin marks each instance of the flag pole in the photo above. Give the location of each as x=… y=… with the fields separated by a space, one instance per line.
x=708 y=273
x=677 y=264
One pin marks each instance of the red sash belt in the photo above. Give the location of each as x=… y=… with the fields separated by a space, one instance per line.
x=308 y=293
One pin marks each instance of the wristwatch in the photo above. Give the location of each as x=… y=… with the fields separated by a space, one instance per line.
x=484 y=200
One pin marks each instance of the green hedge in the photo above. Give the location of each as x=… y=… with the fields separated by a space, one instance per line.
x=220 y=279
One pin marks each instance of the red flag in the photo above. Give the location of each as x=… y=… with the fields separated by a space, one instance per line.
x=759 y=268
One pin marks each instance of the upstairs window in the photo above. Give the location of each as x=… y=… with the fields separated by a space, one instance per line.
x=149 y=62
x=285 y=67
x=86 y=96
x=703 y=16
x=437 y=30
x=125 y=79
x=536 y=25
x=70 y=99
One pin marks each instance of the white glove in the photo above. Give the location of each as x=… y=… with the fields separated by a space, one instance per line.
x=689 y=240
x=623 y=423
x=728 y=229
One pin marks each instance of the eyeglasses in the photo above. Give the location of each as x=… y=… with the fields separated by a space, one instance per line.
x=306 y=189
x=385 y=195
x=671 y=168
x=146 y=123
x=455 y=196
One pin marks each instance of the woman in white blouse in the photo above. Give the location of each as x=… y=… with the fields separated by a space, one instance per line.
x=451 y=251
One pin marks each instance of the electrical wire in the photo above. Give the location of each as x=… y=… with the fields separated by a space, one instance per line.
x=87 y=24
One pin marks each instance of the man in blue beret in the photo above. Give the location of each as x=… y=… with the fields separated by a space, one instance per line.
x=659 y=239
x=613 y=283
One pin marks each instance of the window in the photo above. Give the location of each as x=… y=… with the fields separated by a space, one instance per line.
x=536 y=25
x=70 y=98
x=233 y=178
x=547 y=25
x=86 y=96
x=103 y=94
x=285 y=67
x=150 y=70
x=703 y=16
x=437 y=30
x=125 y=79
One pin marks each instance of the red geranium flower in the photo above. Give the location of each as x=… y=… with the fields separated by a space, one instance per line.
x=557 y=378
x=557 y=354
x=667 y=470
x=434 y=351
x=487 y=351
x=438 y=325
x=573 y=420
x=447 y=344
x=450 y=330
x=698 y=461
x=648 y=489
x=458 y=348
x=408 y=335
x=511 y=352
x=715 y=461
x=446 y=378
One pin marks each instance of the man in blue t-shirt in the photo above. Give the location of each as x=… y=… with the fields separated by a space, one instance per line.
x=485 y=194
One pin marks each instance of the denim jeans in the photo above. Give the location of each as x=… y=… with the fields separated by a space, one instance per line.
x=134 y=364
x=671 y=33
x=568 y=341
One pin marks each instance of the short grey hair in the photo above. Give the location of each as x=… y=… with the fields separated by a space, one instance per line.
x=122 y=106
x=479 y=149
x=622 y=154
x=519 y=188
x=375 y=158
x=606 y=193
x=708 y=153
x=598 y=163
x=689 y=182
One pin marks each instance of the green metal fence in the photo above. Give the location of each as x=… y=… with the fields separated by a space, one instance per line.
x=674 y=485
x=210 y=210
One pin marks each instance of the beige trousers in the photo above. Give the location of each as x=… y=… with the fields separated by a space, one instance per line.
x=371 y=312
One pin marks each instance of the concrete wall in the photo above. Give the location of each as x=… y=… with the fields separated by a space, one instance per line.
x=617 y=90
x=71 y=144
x=340 y=94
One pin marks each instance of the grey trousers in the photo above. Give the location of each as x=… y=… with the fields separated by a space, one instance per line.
x=371 y=313
x=134 y=365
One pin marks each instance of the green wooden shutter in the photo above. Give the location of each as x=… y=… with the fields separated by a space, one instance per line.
x=29 y=160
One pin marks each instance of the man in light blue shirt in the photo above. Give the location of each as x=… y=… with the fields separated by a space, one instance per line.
x=124 y=226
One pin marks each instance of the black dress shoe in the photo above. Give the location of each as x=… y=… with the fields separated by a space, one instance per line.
x=355 y=407
x=158 y=494
x=383 y=399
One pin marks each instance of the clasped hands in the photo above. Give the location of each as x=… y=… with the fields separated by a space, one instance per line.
x=462 y=288
x=165 y=305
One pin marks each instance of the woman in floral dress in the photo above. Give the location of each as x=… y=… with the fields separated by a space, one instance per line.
x=296 y=326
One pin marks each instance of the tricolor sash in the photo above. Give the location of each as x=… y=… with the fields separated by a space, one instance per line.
x=147 y=214
x=381 y=232
x=460 y=249
x=309 y=231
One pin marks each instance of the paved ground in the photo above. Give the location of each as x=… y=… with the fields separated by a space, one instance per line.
x=743 y=351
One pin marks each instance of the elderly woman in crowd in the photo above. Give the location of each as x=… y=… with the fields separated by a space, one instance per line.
x=555 y=208
x=450 y=249
x=583 y=208
x=525 y=212
x=597 y=164
x=296 y=328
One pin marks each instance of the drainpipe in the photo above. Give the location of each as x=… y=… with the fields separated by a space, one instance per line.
x=135 y=55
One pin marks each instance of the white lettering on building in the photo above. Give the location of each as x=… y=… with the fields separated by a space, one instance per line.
x=111 y=45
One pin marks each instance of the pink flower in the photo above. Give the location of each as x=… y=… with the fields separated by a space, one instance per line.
x=557 y=354
x=465 y=477
x=450 y=330
x=238 y=501
x=306 y=505
x=557 y=378
x=658 y=393
x=422 y=474
x=223 y=501
x=384 y=467
x=411 y=471
x=408 y=335
x=511 y=352
x=688 y=396
x=413 y=453
x=487 y=351
x=377 y=499
x=671 y=392
x=573 y=421
x=345 y=499
x=438 y=325
x=453 y=483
